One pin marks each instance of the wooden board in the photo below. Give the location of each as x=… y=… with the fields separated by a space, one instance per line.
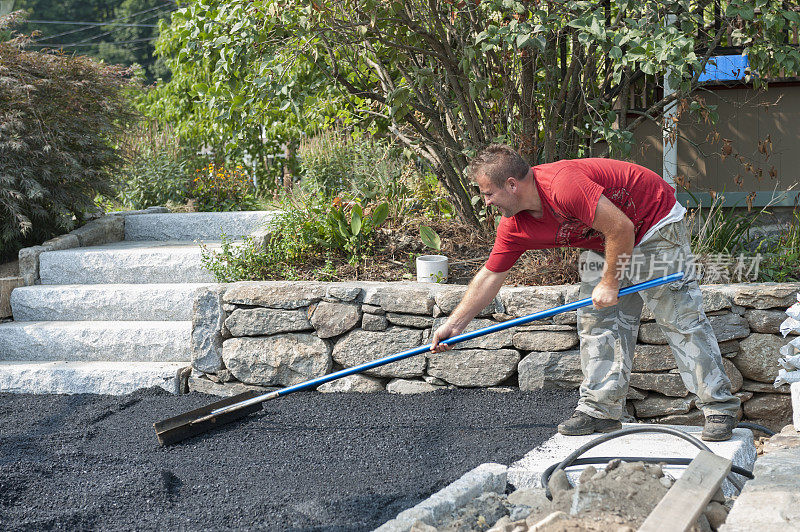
x=688 y=497
x=7 y=284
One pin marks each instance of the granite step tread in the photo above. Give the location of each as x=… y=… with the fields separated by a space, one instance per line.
x=113 y=378
x=127 y=263
x=104 y=302
x=134 y=341
x=195 y=225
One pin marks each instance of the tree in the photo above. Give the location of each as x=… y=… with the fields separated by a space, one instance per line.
x=237 y=101
x=127 y=39
x=447 y=77
x=59 y=116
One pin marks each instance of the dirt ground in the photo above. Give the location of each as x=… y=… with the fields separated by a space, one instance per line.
x=308 y=461
x=396 y=248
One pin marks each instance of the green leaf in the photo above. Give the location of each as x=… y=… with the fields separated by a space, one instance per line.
x=430 y=238
x=380 y=214
x=356 y=220
x=615 y=52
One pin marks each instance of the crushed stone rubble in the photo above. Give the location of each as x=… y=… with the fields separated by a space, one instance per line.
x=618 y=497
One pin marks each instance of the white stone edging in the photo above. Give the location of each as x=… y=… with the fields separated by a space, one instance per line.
x=485 y=478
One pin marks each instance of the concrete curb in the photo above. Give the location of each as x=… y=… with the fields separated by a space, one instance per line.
x=484 y=478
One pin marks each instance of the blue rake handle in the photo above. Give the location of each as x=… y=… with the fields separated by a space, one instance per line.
x=450 y=341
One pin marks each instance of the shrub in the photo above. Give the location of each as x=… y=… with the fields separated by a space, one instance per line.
x=157 y=167
x=59 y=116
x=372 y=170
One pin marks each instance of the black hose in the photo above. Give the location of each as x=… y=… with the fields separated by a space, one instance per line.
x=646 y=459
x=755 y=426
x=566 y=462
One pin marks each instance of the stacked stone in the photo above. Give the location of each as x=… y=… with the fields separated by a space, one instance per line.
x=283 y=333
x=746 y=320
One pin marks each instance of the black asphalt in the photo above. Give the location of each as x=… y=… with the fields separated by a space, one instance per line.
x=308 y=461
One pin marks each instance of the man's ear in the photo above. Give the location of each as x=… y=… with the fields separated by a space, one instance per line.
x=512 y=184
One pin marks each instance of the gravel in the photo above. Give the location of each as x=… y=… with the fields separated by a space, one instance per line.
x=308 y=461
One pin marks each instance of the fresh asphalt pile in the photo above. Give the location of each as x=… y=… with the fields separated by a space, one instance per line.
x=308 y=461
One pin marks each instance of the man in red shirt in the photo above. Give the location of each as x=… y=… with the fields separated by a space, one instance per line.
x=629 y=214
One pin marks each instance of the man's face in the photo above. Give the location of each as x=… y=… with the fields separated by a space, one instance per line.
x=501 y=197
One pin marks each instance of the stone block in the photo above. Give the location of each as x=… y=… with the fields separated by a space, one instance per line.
x=282 y=360
x=374 y=322
x=764 y=295
x=359 y=346
x=266 y=321
x=669 y=384
x=545 y=340
x=729 y=349
x=332 y=319
x=352 y=384
x=495 y=340
x=772 y=409
x=473 y=367
x=521 y=301
x=755 y=386
x=694 y=417
x=771 y=501
x=410 y=387
x=372 y=309
x=758 y=357
x=29 y=264
x=485 y=478
x=765 y=321
x=343 y=293
x=550 y=370
x=207 y=319
x=450 y=296
x=61 y=242
x=202 y=385
x=656 y=405
x=103 y=230
x=405 y=298
x=409 y=320
x=99 y=377
x=286 y=295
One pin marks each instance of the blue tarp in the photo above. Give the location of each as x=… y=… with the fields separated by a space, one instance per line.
x=727 y=68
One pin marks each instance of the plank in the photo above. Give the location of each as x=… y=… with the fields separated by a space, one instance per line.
x=688 y=497
x=7 y=284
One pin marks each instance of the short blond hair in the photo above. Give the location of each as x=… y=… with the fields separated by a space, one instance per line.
x=498 y=162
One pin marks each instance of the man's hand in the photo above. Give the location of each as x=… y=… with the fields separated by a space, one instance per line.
x=443 y=333
x=605 y=294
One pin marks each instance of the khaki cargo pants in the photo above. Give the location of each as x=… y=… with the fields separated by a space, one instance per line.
x=608 y=336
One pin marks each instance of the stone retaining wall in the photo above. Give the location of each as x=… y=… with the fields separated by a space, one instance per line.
x=283 y=333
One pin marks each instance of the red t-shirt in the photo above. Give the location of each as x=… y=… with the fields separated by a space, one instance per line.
x=570 y=191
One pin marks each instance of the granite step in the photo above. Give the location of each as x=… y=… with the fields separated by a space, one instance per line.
x=195 y=225
x=104 y=302
x=116 y=341
x=113 y=378
x=127 y=263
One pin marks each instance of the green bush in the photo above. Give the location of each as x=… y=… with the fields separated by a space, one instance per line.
x=60 y=117
x=157 y=168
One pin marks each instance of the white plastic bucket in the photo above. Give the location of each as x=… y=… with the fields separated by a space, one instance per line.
x=432 y=269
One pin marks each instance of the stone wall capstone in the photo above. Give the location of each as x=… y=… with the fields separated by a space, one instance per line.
x=279 y=333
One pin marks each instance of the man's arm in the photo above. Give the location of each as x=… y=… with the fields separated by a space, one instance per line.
x=618 y=231
x=482 y=289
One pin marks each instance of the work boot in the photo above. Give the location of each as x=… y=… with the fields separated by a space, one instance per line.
x=718 y=427
x=580 y=424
